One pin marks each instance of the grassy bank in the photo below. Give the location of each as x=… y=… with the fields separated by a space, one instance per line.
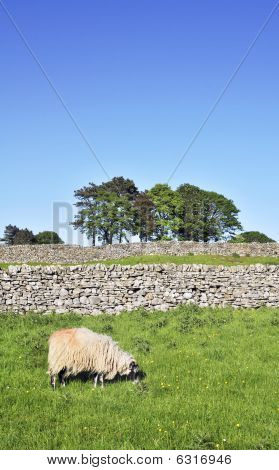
x=233 y=260
x=211 y=383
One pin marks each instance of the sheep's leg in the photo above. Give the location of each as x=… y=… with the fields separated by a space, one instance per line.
x=52 y=381
x=61 y=376
x=102 y=380
x=95 y=380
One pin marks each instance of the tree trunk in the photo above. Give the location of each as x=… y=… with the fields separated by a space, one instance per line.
x=94 y=238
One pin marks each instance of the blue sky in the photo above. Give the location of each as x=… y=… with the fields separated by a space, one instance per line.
x=139 y=78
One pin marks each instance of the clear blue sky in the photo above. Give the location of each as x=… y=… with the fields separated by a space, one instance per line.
x=139 y=77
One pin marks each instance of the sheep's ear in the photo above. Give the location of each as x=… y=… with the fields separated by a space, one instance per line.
x=132 y=364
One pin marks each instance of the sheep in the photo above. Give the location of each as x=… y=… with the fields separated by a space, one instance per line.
x=76 y=350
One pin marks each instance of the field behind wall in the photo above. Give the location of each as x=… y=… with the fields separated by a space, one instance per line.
x=211 y=383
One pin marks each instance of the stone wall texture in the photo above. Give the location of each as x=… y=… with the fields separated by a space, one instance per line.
x=77 y=254
x=99 y=288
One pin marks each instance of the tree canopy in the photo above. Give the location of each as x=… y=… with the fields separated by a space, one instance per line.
x=16 y=236
x=107 y=211
x=250 y=237
x=115 y=210
x=47 y=237
x=24 y=237
x=9 y=234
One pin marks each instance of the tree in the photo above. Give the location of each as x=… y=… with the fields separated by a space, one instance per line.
x=24 y=237
x=166 y=202
x=250 y=237
x=220 y=217
x=144 y=217
x=47 y=237
x=205 y=215
x=190 y=210
x=118 y=196
x=121 y=187
x=9 y=234
x=115 y=209
x=106 y=212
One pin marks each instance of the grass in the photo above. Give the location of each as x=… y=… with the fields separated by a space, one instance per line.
x=211 y=383
x=232 y=260
x=193 y=259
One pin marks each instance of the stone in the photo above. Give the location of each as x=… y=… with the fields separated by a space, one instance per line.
x=64 y=293
x=93 y=290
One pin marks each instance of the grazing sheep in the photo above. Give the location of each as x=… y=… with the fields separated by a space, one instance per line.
x=76 y=350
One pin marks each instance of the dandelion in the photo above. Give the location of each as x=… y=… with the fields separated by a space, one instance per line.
x=224 y=440
x=226 y=382
x=237 y=425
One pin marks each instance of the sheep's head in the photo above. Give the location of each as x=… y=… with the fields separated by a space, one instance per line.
x=131 y=371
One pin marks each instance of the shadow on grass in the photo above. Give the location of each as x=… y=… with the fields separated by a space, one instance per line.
x=85 y=377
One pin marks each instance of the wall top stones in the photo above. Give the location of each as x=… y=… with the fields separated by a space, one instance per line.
x=77 y=254
x=135 y=269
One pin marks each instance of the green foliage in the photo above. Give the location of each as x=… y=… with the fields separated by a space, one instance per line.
x=250 y=237
x=15 y=236
x=205 y=215
x=116 y=209
x=106 y=212
x=144 y=217
x=166 y=201
x=213 y=387
x=45 y=238
x=9 y=234
x=24 y=237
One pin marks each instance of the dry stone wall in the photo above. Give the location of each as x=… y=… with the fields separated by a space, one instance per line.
x=99 y=288
x=77 y=254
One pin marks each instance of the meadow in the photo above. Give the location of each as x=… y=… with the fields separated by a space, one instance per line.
x=190 y=258
x=211 y=383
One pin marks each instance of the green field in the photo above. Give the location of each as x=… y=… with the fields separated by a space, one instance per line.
x=232 y=260
x=211 y=383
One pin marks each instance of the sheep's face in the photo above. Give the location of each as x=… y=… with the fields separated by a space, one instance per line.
x=130 y=371
x=133 y=371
